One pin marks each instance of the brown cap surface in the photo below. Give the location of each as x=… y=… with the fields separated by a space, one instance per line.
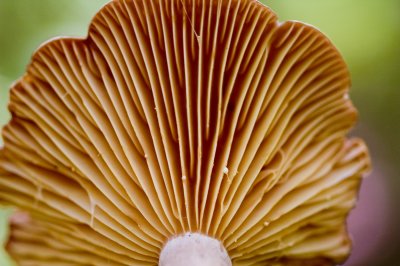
x=178 y=116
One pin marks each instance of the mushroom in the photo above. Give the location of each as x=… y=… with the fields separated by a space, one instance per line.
x=182 y=133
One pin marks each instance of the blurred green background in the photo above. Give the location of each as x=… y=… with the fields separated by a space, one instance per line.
x=367 y=32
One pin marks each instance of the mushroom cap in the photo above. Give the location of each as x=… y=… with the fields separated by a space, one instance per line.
x=177 y=116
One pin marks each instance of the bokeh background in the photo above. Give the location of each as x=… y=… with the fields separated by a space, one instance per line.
x=367 y=32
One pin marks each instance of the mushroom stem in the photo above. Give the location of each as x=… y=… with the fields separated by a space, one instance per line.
x=195 y=250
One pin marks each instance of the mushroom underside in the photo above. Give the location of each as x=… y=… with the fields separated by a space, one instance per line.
x=176 y=117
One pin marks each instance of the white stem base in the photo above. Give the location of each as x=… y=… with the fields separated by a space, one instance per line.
x=194 y=249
